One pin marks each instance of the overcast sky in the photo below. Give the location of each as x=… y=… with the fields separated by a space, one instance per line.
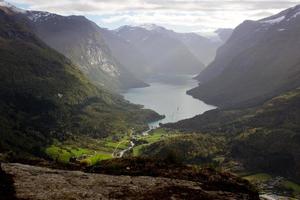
x=180 y=15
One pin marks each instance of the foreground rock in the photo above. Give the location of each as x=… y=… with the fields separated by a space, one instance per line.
x=42 y=183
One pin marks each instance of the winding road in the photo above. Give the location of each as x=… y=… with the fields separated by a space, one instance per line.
x=120 y=154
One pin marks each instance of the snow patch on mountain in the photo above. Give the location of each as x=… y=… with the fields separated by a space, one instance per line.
x=39 y=16
x=150 y=27
x=273 y=21
x=296 y=14
x=286 y=16
x=126 y=27
x=281 y=29
x=145 y=38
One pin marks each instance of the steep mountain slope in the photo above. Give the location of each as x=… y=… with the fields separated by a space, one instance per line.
x=81 y=41
x=44 y=96
x=162 y=53
x=127 y=54
x=264 y=138
x=259 y=61
x=224 y=34
x=203 y=48
x=141 y=48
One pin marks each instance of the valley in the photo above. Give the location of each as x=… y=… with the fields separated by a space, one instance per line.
x=88 y=112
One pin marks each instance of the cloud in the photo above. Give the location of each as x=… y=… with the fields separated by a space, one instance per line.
x=182 y=15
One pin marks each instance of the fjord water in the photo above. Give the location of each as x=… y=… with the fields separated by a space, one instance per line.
x=167 y=96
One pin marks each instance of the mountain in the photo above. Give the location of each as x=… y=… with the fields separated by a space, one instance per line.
x=258 y=62
x=142 y=49
x=155 y=51
x=82 y=42
x=264 y=138
x=45 y=97
x=203 y=48
x=224 y=34
x=164 y=54
x=127 y=54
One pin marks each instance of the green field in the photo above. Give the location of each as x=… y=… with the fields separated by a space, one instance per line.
x=154 y=136
x=63 y=154
x=289 y=185
x=90 y=151
x=86 y=150
x=260 y=177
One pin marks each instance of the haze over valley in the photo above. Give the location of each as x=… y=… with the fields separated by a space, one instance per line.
x=127 y=100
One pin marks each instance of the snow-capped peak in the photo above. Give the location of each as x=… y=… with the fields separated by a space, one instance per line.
x=285 y=15
x=125 y=27
x=274 y=20
x=296 y=12
x=11 y=7
x=150 y=27
x=39 y=16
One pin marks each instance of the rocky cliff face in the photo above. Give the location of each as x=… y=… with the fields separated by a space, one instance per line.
x=44 y=184
x=81 y=41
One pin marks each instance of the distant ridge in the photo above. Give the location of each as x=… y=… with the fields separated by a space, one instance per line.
x=258 y=62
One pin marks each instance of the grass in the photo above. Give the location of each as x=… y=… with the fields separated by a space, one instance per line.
x=157 y=135
x=63 y=154
x=137 y=150
x=119 y=144
x=292 y=186
x=96 y=158
x=92 y=151
x=154 y=136
x=60 y=154
x=284 y=185
x=260 y=177
x=219 y=159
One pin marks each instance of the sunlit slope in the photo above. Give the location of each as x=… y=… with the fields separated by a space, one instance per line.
x=44 y=96
x=262 y=138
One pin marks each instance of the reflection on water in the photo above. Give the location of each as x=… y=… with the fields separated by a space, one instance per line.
x=167 y=96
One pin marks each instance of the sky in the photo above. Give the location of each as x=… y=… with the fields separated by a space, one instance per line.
x=201 y=16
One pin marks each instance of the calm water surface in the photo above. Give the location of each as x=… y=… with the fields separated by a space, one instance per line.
x=167 y=96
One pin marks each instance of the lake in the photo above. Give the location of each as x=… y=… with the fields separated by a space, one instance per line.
x=167 y=96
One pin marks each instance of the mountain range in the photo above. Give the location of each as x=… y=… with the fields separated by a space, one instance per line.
x=258 y=62
x=44 y=96
x=59 y=107
x=121 y=59
x=264 y=138
x=255 y=81
x=81 y=41
x=149 y=50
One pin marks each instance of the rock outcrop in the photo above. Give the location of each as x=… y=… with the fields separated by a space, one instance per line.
x=34 y=183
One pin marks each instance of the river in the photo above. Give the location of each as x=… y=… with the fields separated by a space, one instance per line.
x=167 y=96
